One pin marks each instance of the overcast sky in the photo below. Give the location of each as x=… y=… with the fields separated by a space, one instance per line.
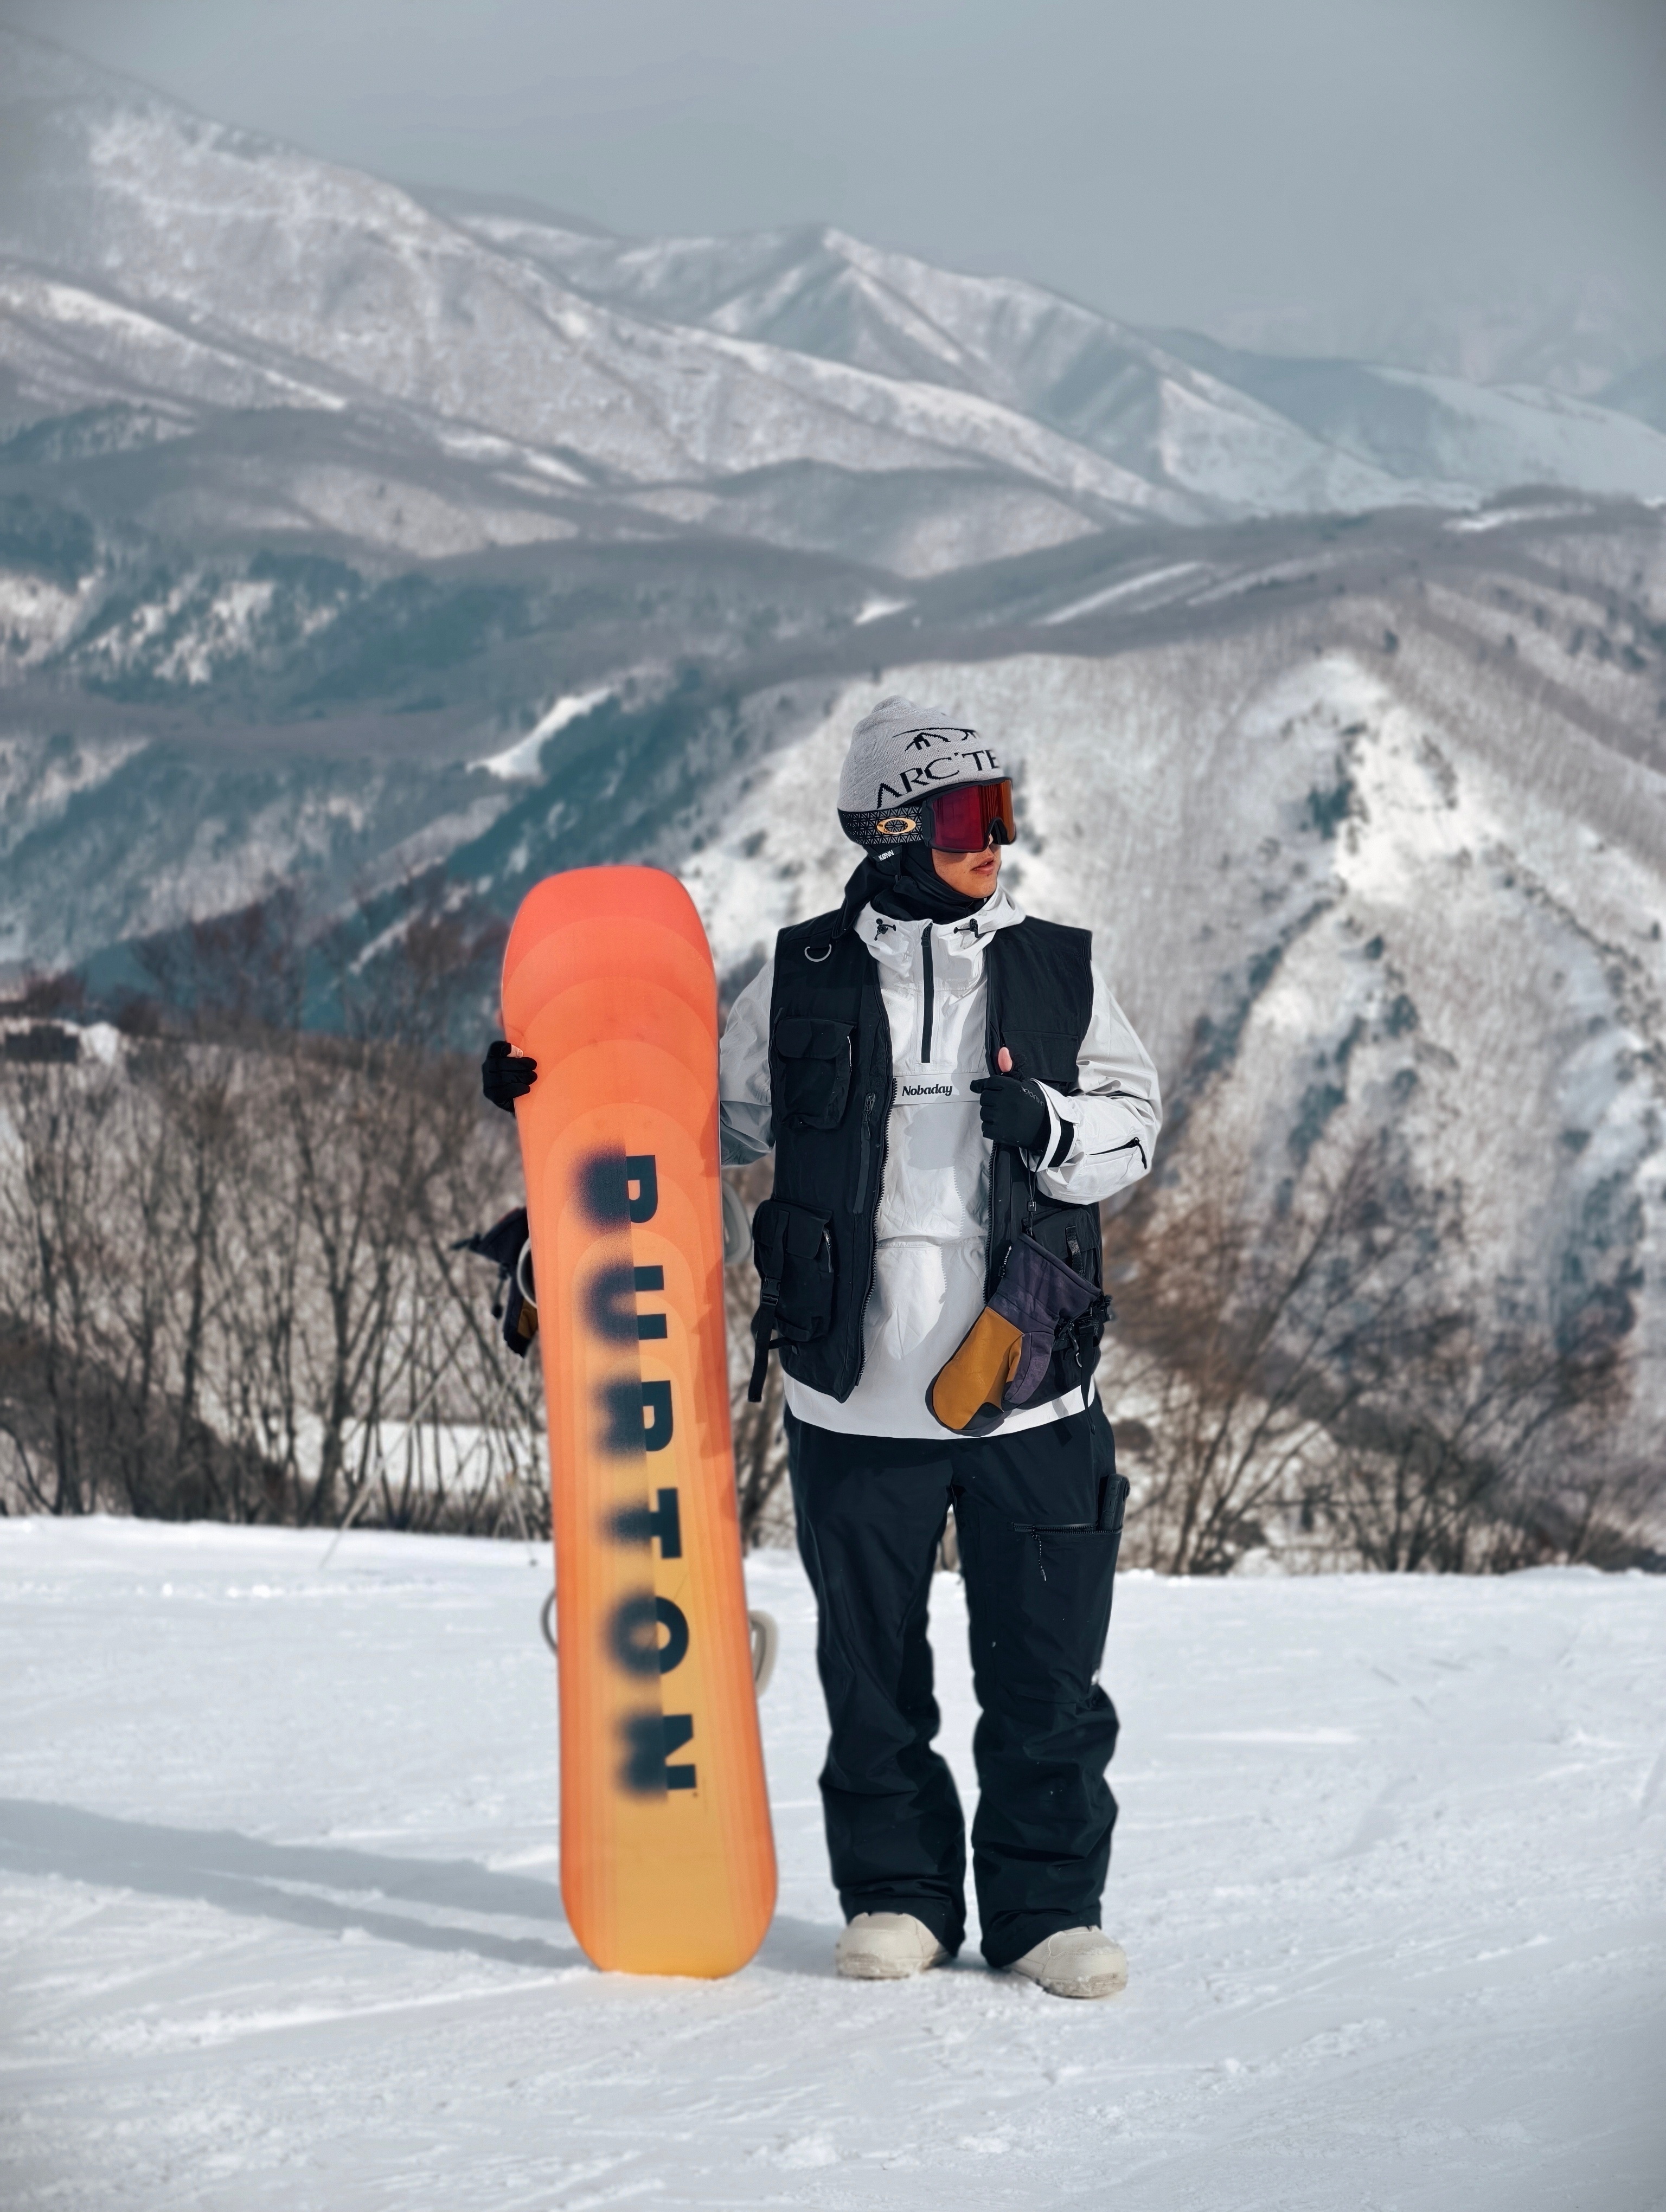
x=1168 y=161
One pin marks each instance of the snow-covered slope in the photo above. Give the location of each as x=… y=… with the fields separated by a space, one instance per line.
x=1444 y=430
x=278 y=1864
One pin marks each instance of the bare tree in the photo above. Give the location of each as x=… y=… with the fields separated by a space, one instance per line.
x=1241 y=1338
x=50 y=1235
x=225 y=1285
x=1479 y=1442
x=760 y=1441
x=1331 y=1372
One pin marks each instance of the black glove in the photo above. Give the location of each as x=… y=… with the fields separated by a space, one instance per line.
x=1014 y=1112
x=505 y=1075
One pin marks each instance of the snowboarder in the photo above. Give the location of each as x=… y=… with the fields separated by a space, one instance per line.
x=950 y=1088
x=943 y=1078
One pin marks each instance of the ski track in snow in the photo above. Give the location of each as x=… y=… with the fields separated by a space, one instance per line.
x=281 y=1927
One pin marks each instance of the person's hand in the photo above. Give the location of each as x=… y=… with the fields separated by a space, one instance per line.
x=1014 y=1111
x=506 y=1075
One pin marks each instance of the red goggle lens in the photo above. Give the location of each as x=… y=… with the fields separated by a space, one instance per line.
x=964 y=820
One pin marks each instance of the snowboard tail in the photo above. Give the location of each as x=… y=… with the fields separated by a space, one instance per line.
x=667 y=1861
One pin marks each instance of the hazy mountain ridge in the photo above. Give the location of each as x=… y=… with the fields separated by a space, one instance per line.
x=323 y=356
x=1181 y=411
x=154 y=257
x=1584 y=338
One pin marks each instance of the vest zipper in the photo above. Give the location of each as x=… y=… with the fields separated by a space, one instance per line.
x=931 y=993
x=872 y=1242
x=865 y=1160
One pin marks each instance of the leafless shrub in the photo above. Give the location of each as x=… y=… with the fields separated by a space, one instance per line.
x=227 y=1288
x=1477 y=1444
x=1327 y=1375
x=1236 y=1339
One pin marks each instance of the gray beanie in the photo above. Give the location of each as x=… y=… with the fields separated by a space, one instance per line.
x=901 y=753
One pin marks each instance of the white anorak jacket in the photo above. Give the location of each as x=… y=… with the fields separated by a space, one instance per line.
x=932 y=1222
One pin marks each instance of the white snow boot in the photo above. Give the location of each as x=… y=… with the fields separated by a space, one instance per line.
x=886 y=1947
x=1077 y=1962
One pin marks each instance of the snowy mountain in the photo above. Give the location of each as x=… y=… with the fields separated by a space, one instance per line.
x=829 y=297
x=298 y=349
x=151 y=259
x=391 y=551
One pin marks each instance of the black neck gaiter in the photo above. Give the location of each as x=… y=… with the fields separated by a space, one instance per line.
x=904 y=886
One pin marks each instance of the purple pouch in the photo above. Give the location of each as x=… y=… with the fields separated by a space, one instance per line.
x=1045 y=1299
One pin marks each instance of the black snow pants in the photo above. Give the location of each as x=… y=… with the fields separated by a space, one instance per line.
x=1039 y=1518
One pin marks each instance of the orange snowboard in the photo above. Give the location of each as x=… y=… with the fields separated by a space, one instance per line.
x=667 y=1862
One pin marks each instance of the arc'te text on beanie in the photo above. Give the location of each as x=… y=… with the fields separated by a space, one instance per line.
x=900 y=752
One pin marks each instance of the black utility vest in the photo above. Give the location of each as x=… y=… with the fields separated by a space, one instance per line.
x=831 y=1087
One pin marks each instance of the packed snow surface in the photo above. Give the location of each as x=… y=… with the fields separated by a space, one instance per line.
x=282 y=1928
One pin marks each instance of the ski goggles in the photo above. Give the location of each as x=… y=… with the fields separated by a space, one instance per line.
x=963 y=819
x=972 y=816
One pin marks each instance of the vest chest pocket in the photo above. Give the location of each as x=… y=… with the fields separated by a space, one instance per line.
x=813 y=1071
x=1049 y=1056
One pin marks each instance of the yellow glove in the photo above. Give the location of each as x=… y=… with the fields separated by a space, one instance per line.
x=978 y=1373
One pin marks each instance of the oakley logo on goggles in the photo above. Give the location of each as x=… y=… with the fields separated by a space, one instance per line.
x=972 y=816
